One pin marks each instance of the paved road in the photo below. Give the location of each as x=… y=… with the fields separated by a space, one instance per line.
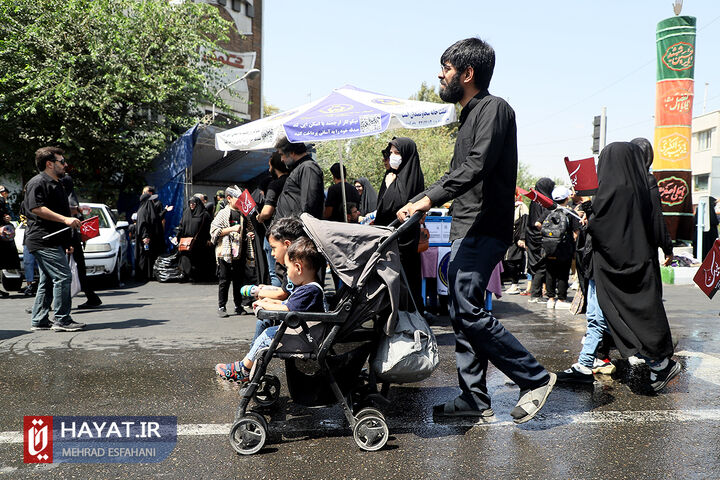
x=151 y=348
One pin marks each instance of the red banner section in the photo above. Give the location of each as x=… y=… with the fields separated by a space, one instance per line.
x=673 y=102
x=708 y=275
x=583 y=175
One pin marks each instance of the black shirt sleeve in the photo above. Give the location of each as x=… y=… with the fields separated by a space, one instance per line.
x=484 y=150
x=332 y=199
x=273 y=191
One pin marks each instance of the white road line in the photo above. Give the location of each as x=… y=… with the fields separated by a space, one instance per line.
x=703 y=366
x=585 y=418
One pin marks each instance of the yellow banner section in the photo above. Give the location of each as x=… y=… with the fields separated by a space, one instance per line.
x=672 y=148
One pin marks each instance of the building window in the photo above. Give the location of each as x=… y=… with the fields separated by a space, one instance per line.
x=222 y=2
x=704 y=140
x=250 y=10
x=701 y=182
x=237 y=5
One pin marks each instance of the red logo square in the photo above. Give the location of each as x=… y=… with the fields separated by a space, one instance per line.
x=38 y=439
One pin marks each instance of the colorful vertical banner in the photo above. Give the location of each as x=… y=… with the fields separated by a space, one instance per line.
x=675 y=38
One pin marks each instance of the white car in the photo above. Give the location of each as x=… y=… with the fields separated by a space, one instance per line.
x=106 y=254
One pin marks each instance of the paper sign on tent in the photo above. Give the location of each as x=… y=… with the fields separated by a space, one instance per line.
x=583 y=175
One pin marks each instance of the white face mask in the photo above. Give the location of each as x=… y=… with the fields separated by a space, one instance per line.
x=395 y=160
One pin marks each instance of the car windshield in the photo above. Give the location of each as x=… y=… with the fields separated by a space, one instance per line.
x=99 y=212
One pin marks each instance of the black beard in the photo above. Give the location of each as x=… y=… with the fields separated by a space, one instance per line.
x=453 y=91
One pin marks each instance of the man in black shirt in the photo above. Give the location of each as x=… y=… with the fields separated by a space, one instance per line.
x=280 y=173
x=48 y=214
x=481 y=180
x=303 y=190
x=334 y=209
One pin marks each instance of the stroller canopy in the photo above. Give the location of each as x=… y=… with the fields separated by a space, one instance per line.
x=352 y=252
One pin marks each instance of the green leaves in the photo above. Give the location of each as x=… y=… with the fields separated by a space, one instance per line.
x=111 y=81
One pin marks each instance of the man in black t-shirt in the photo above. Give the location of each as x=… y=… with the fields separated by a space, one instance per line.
x=303 y=189
x=334 y=202
x=48 y=238
x=280 y=171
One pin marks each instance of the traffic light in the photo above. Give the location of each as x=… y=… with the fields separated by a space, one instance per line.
x=596 y=135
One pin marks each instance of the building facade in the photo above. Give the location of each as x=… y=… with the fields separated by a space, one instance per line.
x=705 y=156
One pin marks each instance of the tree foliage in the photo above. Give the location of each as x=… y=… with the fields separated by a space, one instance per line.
x=111 y=81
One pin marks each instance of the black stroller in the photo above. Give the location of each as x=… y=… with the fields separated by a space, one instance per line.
x=325 y=353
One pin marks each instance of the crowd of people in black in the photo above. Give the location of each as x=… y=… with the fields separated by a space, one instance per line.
x=611 y=239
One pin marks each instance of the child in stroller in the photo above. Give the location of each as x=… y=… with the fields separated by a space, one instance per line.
x=302 y=261
x=325 y=351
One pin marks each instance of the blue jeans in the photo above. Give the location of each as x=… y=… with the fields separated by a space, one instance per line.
x=54 y=284
x=264 y=340
x=596 y=327
x=260 y=327
x=479 y=337
x=28 y=265
x=274 y=279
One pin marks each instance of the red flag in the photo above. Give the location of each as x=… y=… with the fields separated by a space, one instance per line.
x=537 y=197
x=90 y=228
x=708 y=275
x=246 y=203
x=583 y=175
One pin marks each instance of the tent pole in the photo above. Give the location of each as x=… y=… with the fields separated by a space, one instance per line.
x=342 y=182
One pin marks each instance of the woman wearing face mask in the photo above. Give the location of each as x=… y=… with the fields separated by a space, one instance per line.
x=403 y=180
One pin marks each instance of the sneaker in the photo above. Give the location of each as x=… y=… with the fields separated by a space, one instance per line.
x=4 y=294
x=660 y=379
x=524 y=293
x=30 y=290
x=222 y=313
x=603 y=366
x=576 y=374
x=562 y=305
x=575 y=285
x=531 y=401
x=551 y=303
x=42 y=326
x=228 y=371
x=513 y=290
x=535 y=300
x=71 y=326
x=635 y=361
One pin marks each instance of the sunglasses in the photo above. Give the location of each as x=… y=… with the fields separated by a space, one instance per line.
x=62 y=161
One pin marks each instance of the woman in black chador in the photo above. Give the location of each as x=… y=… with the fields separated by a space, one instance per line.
x=533 y=239
x=403 y=181
x=625 y=267
x=195 y=223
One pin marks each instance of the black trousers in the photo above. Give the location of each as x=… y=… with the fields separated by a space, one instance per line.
x=230 y=273
x=479 y=337
x=514 y=269
x=539 y=278
x=556 y=280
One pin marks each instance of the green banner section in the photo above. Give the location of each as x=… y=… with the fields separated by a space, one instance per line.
x=676 y=48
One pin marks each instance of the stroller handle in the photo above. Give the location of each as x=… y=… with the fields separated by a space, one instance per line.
x=409 y=223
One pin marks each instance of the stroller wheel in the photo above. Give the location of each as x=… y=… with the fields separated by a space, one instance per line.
x=249 y=434
x=370 y=432
x=369 y=411
x=268 y=391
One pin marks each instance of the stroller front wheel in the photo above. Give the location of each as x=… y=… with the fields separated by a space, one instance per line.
x=249 y=434
x=371 y=431
x=268 y=391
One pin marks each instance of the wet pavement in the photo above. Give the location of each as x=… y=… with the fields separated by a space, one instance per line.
x=151 y=350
